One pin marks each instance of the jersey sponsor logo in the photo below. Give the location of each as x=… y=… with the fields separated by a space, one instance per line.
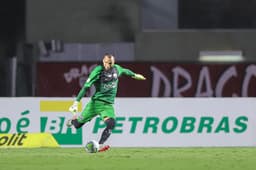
x=111 y=85
x=115 y=75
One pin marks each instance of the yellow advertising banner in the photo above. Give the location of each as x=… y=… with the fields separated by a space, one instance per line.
x=27 y=140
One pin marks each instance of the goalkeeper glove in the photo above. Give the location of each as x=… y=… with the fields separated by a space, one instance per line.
x=139 y=77
x=74 y=108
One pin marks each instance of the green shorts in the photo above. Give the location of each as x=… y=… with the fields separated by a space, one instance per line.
x=94 y=108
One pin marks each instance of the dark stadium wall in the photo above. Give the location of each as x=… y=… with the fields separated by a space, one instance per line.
x=217 y=14
x=12 y=32
x=184 y=46
x=82 y=20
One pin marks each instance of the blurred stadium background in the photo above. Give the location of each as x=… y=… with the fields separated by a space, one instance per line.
x=135 y=31
x=185 y=48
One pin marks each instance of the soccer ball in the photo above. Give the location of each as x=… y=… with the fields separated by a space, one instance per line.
x=92 y=146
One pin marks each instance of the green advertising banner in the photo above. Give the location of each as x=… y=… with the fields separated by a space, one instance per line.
x=146 y=122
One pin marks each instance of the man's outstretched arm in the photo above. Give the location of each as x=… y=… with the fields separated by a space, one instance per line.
x=139 y=77
x=128 y=72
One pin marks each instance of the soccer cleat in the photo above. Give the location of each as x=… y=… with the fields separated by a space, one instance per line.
x=104 y=148
x=69 y=123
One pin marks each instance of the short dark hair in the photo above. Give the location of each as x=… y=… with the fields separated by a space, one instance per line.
x=108 y=55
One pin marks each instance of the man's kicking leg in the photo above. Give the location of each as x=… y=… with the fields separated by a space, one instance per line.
x=110 y=124
x=74 y=122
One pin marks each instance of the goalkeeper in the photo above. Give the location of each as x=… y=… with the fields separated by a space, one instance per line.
x=105 y=79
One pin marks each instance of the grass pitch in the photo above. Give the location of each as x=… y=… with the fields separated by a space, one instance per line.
x=233 y=158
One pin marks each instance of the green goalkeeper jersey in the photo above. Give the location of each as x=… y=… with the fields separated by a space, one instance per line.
x=105 y=82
